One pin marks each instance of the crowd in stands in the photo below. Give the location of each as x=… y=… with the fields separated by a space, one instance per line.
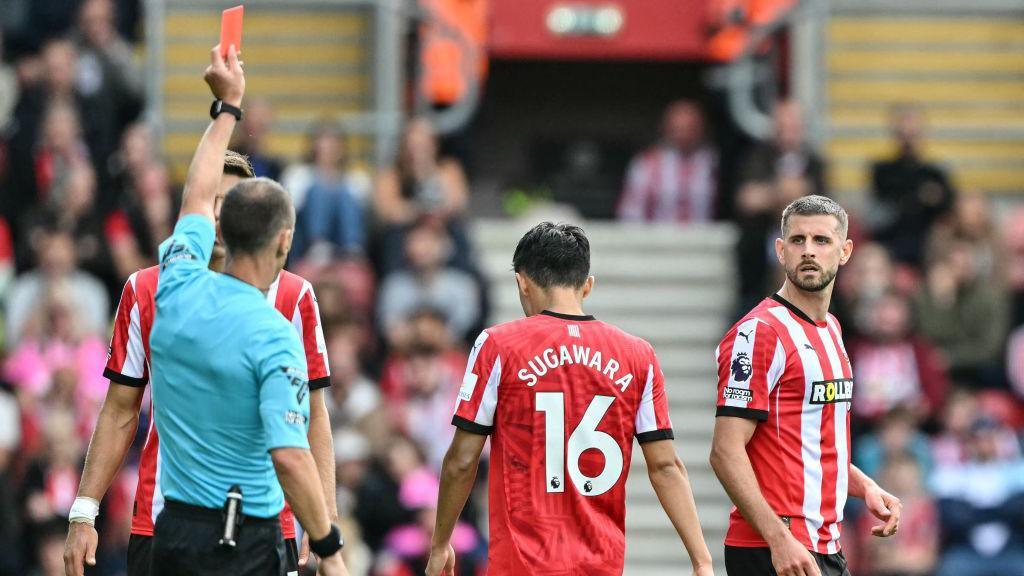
x=932 y=304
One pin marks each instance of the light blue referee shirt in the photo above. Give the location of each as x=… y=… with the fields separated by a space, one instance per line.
x=229 y=379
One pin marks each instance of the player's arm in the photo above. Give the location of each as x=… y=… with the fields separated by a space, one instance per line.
x=883 y=505
x=321 y=444
x=751 y=360
x=227 y=82
x=458 y=472
x=115 y=430
x=474 y=420
x=672 y=485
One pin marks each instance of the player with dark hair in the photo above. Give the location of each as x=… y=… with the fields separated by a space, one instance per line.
x=781 y=445
x=562 y=396
x=128 y=368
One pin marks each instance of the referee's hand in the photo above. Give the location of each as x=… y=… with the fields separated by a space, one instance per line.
x=79 y=548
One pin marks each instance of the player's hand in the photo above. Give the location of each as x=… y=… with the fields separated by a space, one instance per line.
x=333 y=565
x=79 y=548
x=790 y=558
x=442 y=561
x=886 y=507
x=225 y=76
x=304 y=551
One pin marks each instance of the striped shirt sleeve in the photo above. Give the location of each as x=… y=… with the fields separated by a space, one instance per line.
x=126 y=357
x=313 y=343
x=652 y=419
x=478 y=397
x=750 y=359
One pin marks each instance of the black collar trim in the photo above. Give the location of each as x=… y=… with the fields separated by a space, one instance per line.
x=792 y=308
x=586 y=318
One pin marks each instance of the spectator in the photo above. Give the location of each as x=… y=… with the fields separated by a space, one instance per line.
x=62 y=150
x=428 y=282
x=981 y=504
x=6 y=258
x=916 y=550
x=57 y=265
x=909 y=193
x=428 y=389
x=971 y=223
x=674 y=180
x=326 y=140
x=894 y=367
x=10 y=437
x=50 y=549
x=250 y=138
x=421 y=183
x=9 y=90
x=330 y=223
x=758 y=218
x=353 y=398
x=788 y=155
x=896 y=434
x=79 y=215
x=145 y=219
x=378 y=508
x=407 y=547
x=352 y=458
x=1014 y=247
x=51 y=480
x=870 y=275
x=55 y=360
x=964 y=315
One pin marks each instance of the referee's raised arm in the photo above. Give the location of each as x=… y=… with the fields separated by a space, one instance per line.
x=227 y=82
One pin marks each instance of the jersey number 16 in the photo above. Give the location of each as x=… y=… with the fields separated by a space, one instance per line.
x=586 y=436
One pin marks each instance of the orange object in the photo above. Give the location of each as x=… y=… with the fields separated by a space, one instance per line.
x=443 y=57
x=231 y=29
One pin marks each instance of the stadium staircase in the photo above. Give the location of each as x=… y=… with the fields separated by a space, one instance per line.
x=674 y=287
x=310 y=60
x=964 y=61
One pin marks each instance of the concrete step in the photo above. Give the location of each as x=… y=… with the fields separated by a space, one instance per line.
x=503 y=235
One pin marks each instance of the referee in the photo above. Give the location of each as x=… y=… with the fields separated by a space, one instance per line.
x=231 y=387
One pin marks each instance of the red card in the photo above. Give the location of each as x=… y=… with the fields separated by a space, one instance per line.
x=231 y=29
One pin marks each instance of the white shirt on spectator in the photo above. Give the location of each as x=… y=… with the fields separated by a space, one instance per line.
x=664 y=185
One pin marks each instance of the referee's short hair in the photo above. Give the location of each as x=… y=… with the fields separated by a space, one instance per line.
x=815 y=205
x=554 y=255
x=254 y=211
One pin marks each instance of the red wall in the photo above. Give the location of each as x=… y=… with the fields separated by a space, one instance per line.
x=652 y=30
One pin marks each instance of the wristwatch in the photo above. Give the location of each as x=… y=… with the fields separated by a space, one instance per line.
x=328 y=545
x=221 y=107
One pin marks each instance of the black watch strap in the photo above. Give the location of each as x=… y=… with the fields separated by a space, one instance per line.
x=328 y=545
x=221 y=107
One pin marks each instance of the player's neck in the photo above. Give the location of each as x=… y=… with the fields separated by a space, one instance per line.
x=217 y=263
x=813 y=304
x=560 y=302
x=253 y=270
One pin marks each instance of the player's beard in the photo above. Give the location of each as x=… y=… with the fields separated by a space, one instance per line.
x=825 y=277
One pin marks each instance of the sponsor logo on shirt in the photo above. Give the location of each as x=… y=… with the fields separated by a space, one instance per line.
x=740 y=394
x=832 y=391
x=293 y=417
x=299 y=380
x=468 y=385
x=741 y=367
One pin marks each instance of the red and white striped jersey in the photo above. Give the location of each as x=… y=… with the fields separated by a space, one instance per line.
x=562 y=397
x=792 y=375
x=128 y=364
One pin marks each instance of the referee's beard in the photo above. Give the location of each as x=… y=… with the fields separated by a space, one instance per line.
x=809 y=283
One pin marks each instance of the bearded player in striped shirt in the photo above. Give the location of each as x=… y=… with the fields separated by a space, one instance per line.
x=781 y=445
x=128 y=371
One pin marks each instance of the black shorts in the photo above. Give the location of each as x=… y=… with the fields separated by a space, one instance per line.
x=140 y=555
x=758 y=562
x=186 y=543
